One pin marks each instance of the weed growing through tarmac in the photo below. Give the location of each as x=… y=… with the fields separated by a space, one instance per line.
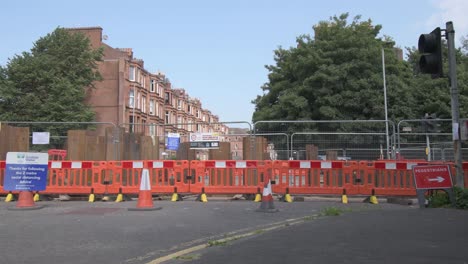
x=188 y=257
x=332 y=211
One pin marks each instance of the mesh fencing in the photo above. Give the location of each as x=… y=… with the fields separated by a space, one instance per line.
x=281 y=140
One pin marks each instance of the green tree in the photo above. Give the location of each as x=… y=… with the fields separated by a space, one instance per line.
x=50 y=83
x=337 y=75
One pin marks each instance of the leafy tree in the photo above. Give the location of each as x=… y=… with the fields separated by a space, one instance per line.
x=337 y=75
x=49 y=83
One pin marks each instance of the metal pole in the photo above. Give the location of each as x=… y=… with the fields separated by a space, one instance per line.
x=133 y=110
x=450 y=35
x=428 y=148
x=385 y=103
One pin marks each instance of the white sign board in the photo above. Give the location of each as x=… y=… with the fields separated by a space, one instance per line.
x=204 y=137
x=41 y=138
x=26 y=171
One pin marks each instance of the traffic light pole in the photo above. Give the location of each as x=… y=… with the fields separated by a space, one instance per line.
x=450 y=35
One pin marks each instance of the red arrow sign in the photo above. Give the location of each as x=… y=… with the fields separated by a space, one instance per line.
x=432 y=177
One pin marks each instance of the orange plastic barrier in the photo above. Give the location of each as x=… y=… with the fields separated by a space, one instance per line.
x=72 y=177
x=57 y=154
x=385 y=177
x=389 y=177
x=164 y=175
x=2 y=176
x=65 y=177
x=313 y=176
x=229 y=176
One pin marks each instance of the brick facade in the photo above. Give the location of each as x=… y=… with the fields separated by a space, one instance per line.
x=141 y=101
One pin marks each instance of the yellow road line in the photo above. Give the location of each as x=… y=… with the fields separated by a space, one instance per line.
x=186 y=251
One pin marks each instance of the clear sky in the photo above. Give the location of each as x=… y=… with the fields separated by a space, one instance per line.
x=216 y=50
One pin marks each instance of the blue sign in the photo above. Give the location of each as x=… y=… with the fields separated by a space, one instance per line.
x=26 y=171
x=173 y=141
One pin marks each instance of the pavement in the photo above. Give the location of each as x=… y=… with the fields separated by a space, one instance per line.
x=232 y=232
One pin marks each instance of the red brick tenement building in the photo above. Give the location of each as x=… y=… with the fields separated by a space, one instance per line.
x=141 y=101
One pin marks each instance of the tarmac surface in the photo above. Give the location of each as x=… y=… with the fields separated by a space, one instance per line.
x=224 y=231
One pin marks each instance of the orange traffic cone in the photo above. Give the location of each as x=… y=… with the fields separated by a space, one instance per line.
x=145 y=197
x=267 y=205
x=26 y=202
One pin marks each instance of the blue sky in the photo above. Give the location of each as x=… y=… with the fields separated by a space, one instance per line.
x=216 y=50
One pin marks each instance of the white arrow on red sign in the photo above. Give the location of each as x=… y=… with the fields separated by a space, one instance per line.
x=437 y=179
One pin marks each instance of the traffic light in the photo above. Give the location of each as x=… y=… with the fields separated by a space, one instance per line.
x=430 y=48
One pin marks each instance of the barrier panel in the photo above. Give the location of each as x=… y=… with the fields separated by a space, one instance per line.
x=2 y=176
x=164 y=175
x=66 y=177
x=389 y=177
x=385 y=177
x=313 y=176
x=72 y=177
x=229 y=176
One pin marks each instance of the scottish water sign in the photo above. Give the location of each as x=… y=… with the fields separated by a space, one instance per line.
x=173 y=140
x=26 y=171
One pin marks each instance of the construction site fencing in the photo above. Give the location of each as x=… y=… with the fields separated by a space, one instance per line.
x=81 y=140
x=159 y=134
x=296 y=177
x=344 y=139
x=272 y=140
x=429 y=139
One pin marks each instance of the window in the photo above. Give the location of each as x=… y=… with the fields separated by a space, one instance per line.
x=188 y=109
x=152 y=85
x=131 y=120
x=152 y=130
x=158 y=89
x=151 y=107
x=198 y=113
x=138 y=101
x=179 y=122
x=143 y=104
x=166 y=98
x=131 y=98
x=131 y=73
x=167 y=117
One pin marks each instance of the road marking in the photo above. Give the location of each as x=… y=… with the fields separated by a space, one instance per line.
x=178 y=254
x=233 y=236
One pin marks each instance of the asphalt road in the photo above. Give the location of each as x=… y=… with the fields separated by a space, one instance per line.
x=81 y=232
x=384 y=236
